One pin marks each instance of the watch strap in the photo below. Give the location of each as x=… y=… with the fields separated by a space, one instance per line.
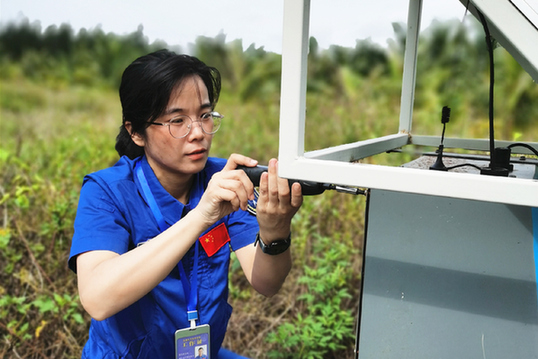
x=275 y=247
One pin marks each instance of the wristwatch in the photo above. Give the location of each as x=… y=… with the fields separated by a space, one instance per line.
x=273 y=248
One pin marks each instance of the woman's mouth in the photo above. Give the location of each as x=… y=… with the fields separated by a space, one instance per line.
x=197 y=154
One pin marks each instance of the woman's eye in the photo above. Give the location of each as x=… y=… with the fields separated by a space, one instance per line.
x=177 y=121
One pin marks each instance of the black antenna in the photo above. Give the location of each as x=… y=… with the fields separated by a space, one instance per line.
x=439 y=165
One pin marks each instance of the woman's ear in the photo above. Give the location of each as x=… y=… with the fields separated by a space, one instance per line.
x=136 y=137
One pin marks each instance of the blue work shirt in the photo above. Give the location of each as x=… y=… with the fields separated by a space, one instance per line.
x=113 y=215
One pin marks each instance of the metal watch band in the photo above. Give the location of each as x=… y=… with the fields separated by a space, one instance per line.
x=273 y=248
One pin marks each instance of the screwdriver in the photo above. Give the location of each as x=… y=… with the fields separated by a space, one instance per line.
x=309 y=188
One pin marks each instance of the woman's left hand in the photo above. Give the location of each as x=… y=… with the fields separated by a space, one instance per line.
x=277 y=204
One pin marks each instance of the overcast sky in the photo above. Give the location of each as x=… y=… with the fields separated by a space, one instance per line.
x=179 y=22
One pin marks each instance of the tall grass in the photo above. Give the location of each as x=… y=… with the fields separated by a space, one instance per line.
x=52 y=137
x=54 y=132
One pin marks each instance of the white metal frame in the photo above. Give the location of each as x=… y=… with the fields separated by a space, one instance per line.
x=333 y=165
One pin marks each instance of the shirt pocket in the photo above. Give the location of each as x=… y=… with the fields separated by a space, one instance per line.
x=213 y=272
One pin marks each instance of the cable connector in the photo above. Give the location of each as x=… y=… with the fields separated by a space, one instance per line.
x=500 y=166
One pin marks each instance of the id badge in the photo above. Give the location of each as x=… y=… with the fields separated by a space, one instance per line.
x=192 y=343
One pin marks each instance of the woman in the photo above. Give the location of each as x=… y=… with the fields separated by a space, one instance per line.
x=153 y=233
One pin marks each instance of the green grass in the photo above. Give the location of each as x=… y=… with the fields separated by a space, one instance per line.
x=59 y=119
x=52 y=134
x=52 y=137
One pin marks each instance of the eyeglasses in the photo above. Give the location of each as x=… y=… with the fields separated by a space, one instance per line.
x=180 y=126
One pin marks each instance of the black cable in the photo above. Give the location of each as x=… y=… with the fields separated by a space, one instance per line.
x=489 y=43
x=463 y=165
x=529 y=147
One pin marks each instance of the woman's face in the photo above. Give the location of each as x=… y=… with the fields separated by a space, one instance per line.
x=179 y=158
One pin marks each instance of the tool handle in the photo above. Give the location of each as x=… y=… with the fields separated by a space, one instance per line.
x=308 y=188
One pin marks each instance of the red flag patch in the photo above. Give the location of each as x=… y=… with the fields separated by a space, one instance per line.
x=213 y=240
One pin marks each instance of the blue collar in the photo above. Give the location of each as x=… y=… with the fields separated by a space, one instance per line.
x=172 y=210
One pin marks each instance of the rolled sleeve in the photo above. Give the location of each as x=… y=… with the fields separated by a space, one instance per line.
x=242 y=228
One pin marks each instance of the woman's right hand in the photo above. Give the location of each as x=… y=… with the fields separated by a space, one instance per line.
x=228 y=190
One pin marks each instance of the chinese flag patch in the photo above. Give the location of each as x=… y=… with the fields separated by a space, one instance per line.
x=213 y=240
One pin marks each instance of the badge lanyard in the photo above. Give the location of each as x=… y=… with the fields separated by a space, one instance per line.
x=191 y=290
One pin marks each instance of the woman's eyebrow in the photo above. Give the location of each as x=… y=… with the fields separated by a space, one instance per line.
x=205 y=106
x=175 y=110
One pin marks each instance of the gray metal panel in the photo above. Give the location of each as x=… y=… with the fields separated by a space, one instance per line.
x=448 y=278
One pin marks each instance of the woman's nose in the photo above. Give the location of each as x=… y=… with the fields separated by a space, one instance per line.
x=196 y=129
